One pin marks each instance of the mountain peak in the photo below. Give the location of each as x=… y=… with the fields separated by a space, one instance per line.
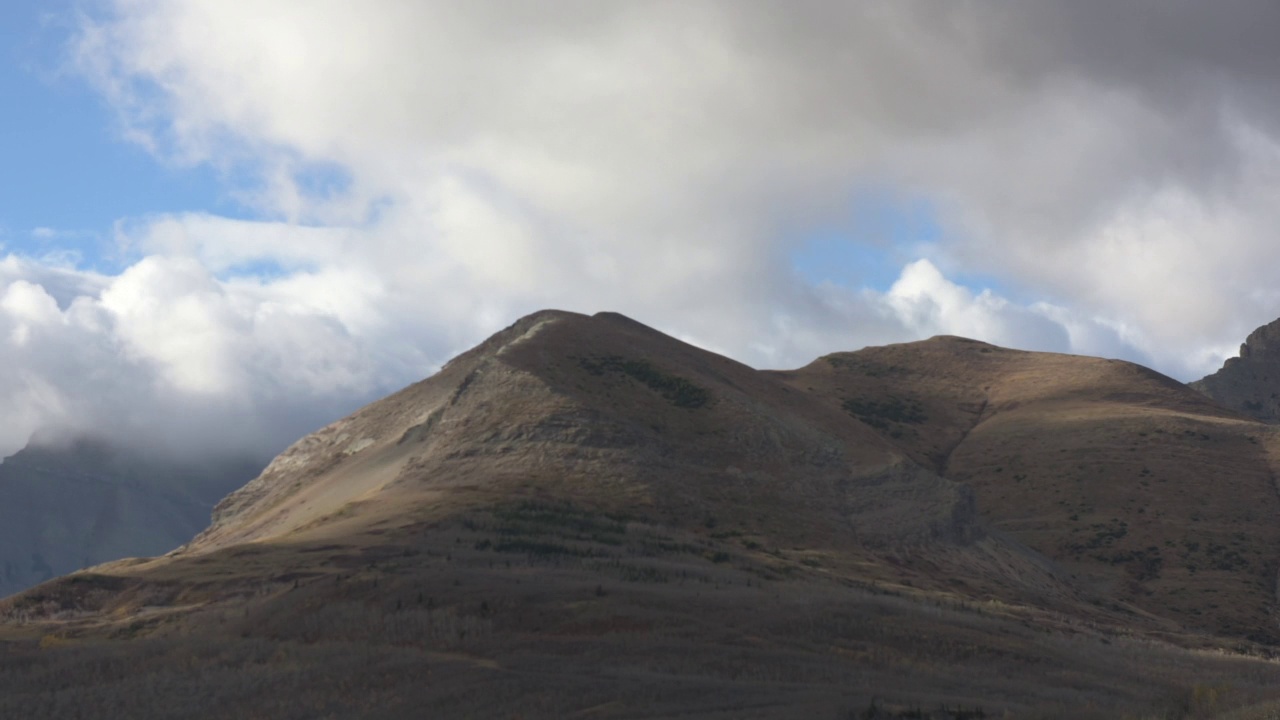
x=575 y=400
x=1250 y=383
x=1263 y=342
x=589 y=480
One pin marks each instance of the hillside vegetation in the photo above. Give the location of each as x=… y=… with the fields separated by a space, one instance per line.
x=583 y=517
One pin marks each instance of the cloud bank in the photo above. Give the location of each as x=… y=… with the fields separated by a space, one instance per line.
x=420 y=174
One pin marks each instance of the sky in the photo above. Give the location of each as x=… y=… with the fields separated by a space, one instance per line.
x=226 y=223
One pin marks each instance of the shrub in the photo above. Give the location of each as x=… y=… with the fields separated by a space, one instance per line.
x=677 y=390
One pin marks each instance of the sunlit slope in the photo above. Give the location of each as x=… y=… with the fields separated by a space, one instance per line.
x=601 y=418
x=609 y=413
x=584 y=517
x=1153 y=495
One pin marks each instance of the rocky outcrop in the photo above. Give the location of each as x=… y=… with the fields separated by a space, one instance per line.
x=1250 y=383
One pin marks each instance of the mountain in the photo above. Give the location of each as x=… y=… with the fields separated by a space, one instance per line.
x=614 y=416
x=1147 y=492
x=1250 y=383
x=68 y=505
x=585 y=517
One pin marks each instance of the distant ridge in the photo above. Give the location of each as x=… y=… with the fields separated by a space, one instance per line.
x=69 y=505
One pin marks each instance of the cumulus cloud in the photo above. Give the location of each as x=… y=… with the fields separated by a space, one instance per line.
x=929 y=304
x=168 y=356
x=423 y=173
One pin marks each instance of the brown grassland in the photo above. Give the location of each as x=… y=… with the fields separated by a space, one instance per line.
x=584 y=518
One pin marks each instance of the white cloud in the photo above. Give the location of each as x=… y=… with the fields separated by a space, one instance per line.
x=929 y=304
x=27 y=302
x=167 y=355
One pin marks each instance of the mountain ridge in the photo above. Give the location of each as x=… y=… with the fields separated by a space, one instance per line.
x=1086 y=460
x=583 y=515
x=512 y=364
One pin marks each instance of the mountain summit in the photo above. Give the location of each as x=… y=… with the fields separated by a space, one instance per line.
x=612 y=414
x=585 y=517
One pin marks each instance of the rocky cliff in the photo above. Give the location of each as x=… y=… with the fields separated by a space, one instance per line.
x=1250 y=383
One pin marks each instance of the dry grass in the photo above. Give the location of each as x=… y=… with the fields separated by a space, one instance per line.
x=637 y=621
x=1154 y=497
x=553 y=527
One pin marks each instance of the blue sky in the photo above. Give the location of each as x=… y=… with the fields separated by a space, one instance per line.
x=868 y=246
x=66 y=166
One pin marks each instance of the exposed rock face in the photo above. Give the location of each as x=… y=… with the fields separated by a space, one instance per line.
x=67 y=507
x=1250 y=384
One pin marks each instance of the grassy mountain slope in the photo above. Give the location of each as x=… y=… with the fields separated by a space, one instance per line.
x=1153 y=496
x=584 y=517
